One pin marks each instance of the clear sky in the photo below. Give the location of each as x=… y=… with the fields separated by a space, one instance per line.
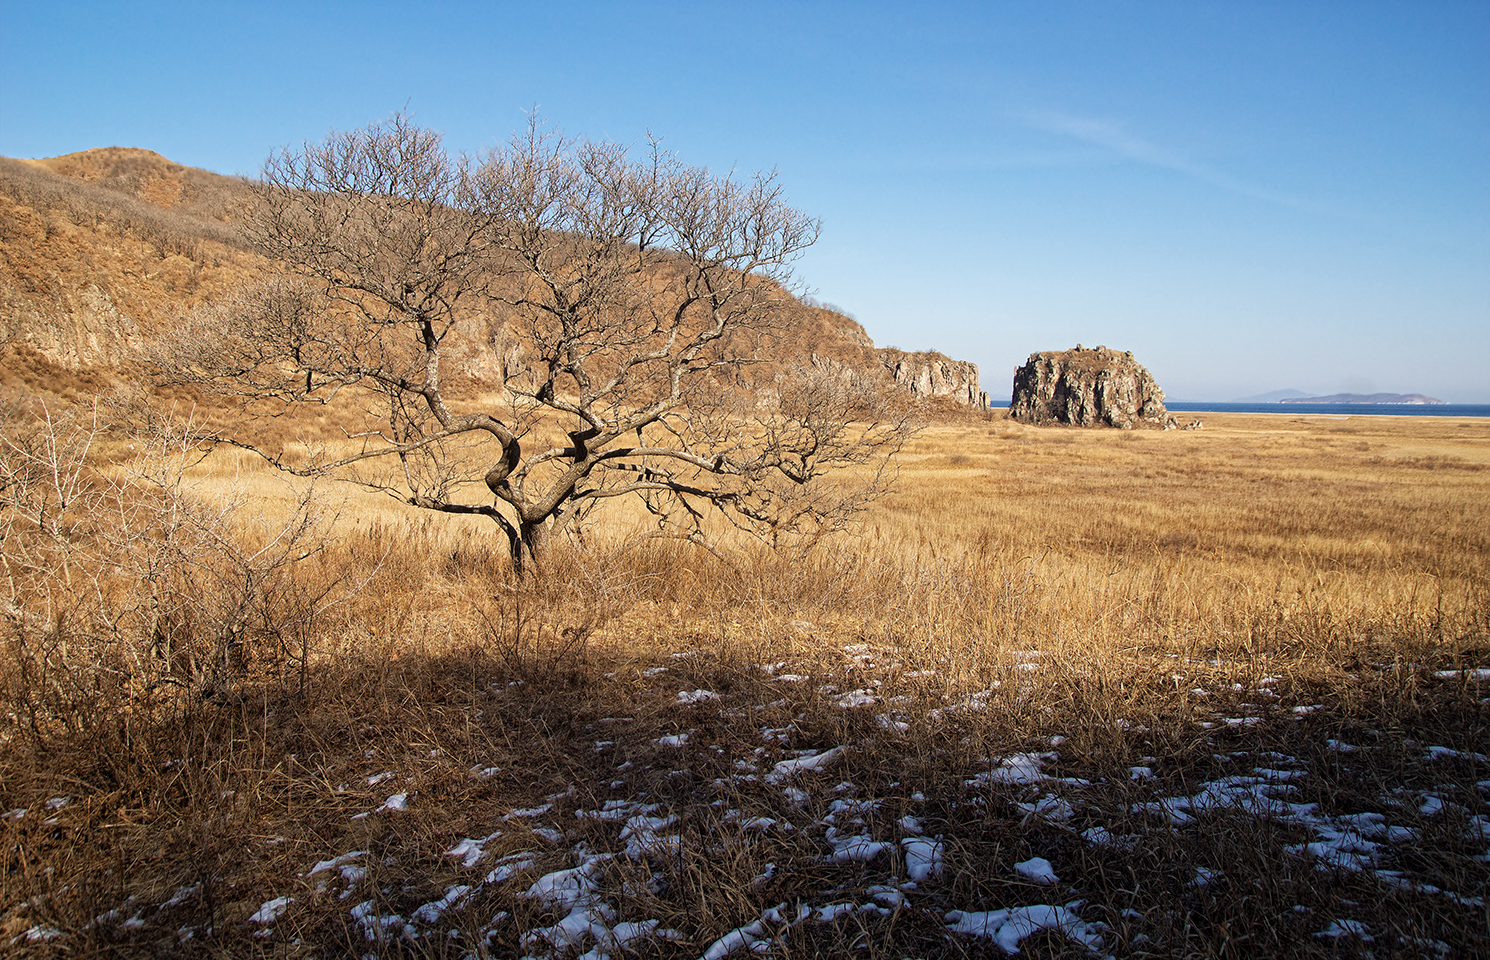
x=1249 y=196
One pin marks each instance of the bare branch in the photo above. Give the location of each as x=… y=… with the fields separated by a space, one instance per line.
x=632 y=289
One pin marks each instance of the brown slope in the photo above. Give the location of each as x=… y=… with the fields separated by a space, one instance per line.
x=147 y=176
x=102 y=250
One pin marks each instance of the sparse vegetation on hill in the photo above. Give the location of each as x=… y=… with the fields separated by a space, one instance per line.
x=106 y=248
x=90 y=269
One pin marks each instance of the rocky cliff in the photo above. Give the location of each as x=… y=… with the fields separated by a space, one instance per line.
x=1087 y=388
x=931 y=374
x=924 y=375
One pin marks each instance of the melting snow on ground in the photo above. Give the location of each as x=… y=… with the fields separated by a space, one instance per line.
x=890 y=843
x=1007 y=927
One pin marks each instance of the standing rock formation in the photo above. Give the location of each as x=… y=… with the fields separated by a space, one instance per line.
x=1087 y=388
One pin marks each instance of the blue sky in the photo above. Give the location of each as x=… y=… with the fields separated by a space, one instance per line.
x=1250 y=196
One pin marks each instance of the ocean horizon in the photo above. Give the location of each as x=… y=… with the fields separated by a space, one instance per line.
x=1325 y=409
x=1337 y=409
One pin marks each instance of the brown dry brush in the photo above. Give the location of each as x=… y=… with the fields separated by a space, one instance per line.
x=203 y=215
x=544 y=737
x=215 y=686
x=125 y=588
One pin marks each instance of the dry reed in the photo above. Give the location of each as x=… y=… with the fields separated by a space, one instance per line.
x=1021 y=585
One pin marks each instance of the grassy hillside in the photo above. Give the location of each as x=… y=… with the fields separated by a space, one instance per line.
x=103 y=250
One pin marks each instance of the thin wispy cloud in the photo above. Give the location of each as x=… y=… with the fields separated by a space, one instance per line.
x=920 y=161
x=1116 y=139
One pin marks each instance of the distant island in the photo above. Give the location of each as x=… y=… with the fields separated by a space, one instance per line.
x=1417 y=398
x=1272 y=396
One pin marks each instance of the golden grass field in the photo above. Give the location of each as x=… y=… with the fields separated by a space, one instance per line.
x=1304 y=595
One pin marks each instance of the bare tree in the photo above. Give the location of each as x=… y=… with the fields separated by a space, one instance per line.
x=636 y=289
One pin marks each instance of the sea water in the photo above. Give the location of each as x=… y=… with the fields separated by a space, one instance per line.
x=1328 y=409
x=1338 y=409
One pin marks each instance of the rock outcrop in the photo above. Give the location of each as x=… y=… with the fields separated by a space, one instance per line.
x=1087 y=388
x=930 y=374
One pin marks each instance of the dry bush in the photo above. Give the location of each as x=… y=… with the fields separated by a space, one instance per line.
x=122 y=583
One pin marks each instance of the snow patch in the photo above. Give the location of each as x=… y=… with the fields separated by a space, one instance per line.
x=787 y=769
x=923 y=858
x=271 y=911
x=1007 y=927
x=1037 y=870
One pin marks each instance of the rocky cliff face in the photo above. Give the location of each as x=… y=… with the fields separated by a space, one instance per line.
x=1087 y=388
x=931 y=374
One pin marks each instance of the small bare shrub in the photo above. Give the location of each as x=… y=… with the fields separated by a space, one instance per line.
x=123 y=582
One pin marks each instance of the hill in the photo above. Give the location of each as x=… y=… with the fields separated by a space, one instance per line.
x=1272 y=396
x=102 y=250
x=1413 y=398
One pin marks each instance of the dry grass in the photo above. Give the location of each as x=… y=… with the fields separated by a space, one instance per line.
x=1023 y=584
